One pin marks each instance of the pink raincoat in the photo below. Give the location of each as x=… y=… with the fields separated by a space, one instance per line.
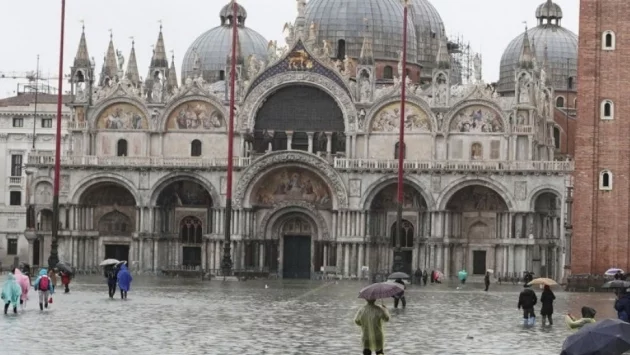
x=24 y=283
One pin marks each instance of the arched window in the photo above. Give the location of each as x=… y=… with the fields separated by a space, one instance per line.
x=191 y=230
x=556 y=137
x=341 y=49
x=221 y=74
x=397 y=150
x=121 y=148
x=195 y=148
x=607 y=110
x=605 y=180
x=406 y=235
x=560 y=101
x=609 y=40
x=570 y=83
x=388 y=72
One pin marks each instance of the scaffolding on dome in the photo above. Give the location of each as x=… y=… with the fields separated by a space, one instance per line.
x=462 y=57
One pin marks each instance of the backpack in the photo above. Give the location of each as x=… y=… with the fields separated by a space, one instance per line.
x=44 y=283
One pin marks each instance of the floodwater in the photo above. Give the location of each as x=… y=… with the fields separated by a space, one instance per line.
x=178 y=316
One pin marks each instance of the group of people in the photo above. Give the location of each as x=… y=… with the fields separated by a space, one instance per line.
x=528 y=299
x=16 y=288
x=118 y=275
x=421 y=277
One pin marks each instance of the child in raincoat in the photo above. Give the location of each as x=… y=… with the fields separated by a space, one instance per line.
x=25 y=284
x=370 y=318
x=124 y=281
x=45 y=286
x=11 y=293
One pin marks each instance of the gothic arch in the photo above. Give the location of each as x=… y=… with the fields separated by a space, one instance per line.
x=459 y=184
x=289 y=210
x=537 y=192
x=450 y=115
x=81 y=187
x=390 y=99
x=210 y=99
x=255 y=98
x=380 y=184
x=258 y=169
x=165 y=181
x=95 y=114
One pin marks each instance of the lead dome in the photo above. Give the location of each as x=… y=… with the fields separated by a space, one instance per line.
x=212 y=48
x=561 y=49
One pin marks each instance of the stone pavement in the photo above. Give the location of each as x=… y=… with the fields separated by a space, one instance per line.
x=176 y=316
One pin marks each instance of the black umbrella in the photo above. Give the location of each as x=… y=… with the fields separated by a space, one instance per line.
x=610 y=336
x=65 y=267
x=398 y=275
x=616 y=284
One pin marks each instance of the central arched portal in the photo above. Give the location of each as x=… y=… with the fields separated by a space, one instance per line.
x=296 y=233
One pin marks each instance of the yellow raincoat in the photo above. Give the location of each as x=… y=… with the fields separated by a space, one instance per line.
x=370 y=318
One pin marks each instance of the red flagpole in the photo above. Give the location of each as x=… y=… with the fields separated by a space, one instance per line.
x=53 y=259
x=227 y=259
x=401 y=141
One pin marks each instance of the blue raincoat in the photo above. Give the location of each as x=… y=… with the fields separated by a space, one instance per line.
x=11 y=291
x=51 y=287
x=124 y=278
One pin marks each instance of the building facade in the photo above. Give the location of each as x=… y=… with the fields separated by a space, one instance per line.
x=27 y=126
x=601 y=230
x=316 y=137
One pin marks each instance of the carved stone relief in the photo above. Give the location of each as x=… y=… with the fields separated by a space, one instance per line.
x=520 y=190
x=223 y=185
x=436 y=183
x=64 y=183
x=12 y=223
x=321 y=222
x=355 y=187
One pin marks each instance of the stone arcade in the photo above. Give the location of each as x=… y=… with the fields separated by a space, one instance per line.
x=144 y=178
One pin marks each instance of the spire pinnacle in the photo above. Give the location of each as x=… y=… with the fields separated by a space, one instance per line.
x=159 y=59
x=443 y=57
x=110 y=66
x=367 y=54
x=527 y=57
x=82 y=59
x=132 y=73
x=172 y=74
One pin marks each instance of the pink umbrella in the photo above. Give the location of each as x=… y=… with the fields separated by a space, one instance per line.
x=381 y=290
x=24 y=283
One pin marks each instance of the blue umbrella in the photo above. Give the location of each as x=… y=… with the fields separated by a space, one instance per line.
x=610 y=336
x=462 y=275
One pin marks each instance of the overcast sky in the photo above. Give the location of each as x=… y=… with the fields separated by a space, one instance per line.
x=31 y=27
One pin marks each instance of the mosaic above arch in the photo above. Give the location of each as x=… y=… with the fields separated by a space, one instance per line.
x=292 y=184
x=387 y=119
x=122 y=116
x=195 y=115
x=477 y=198
x=477 y=119
x=387 y=199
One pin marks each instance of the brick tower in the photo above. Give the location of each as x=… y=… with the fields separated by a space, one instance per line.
x=601 y=214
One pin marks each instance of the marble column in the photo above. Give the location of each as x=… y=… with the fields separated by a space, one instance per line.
x=511 y=260
x=310 y=142
x=447 y=260
x=328 y=142
x=346 y=260
x=360 y=261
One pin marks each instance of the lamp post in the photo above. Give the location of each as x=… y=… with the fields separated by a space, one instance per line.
x=398 y=262
x=53 y=259
x=226 y=264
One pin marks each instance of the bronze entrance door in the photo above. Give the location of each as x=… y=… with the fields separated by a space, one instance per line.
x=117 y=251
x=479 y=262
x=402 y=261
x=191 y=256
x=296 y=257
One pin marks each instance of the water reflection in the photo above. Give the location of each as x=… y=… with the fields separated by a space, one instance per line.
x=194 y=317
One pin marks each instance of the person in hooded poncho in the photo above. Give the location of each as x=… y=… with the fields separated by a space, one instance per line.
x=45 y=286
x=25 y=284
x=11 y=293
x=370 y=318
x=124 y=281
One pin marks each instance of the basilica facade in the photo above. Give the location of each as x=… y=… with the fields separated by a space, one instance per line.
x=316 y=155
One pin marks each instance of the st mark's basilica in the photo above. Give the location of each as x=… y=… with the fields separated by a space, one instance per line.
x=316 y=137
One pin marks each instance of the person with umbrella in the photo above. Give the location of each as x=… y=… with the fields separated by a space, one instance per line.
x=65 y=280
x=622 y=305
x=546 y=298
x=371 y=316
x=400 y=296
x=527 y=300
x=486 y=280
